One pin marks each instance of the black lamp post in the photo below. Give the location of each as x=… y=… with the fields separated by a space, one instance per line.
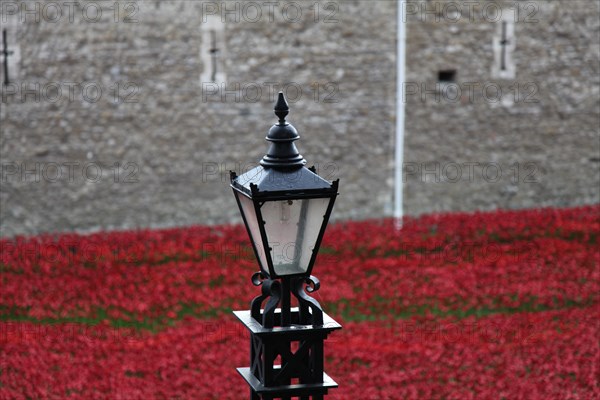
x=286 y=208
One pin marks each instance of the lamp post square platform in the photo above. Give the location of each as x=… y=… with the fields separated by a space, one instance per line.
x=301 y=373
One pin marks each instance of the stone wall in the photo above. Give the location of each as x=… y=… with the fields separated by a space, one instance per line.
x=131 y=121
x=529 y=141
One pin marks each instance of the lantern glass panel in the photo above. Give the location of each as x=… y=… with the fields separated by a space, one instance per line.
x=293 y=228
x=252 y=221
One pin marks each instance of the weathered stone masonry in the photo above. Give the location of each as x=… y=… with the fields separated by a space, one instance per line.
x=134 y=120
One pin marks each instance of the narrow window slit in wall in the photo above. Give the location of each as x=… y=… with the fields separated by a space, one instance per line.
x=503 y=45
x=212 y=53
x=9 y=51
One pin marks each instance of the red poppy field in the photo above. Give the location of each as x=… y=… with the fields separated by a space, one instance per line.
x=500 y=305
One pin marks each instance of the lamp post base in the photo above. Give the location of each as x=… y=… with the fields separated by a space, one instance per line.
x=300 y=349
x=295 y=390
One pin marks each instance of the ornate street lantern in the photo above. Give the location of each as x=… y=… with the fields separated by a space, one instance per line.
x=286 y=208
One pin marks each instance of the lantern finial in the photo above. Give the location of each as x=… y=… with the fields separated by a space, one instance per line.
x=281 y=108
x=282 y=153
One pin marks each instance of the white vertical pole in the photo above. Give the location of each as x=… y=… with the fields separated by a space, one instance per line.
x=400 y=78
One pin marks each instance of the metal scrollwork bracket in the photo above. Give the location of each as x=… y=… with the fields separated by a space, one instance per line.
x=271 y=289
x=305 y=302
